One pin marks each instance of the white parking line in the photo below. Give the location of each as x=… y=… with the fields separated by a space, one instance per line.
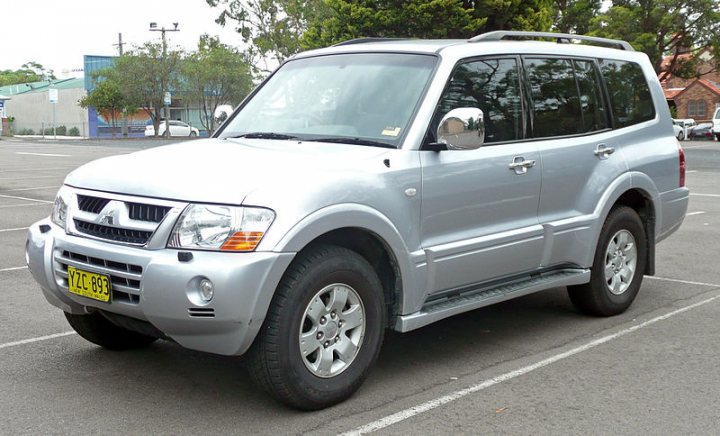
x=700 y=212
x=692 y=194
x=26 y=199
x=43 y=154
x=24 y=170
x=13 y=230
x=687 y=282
x=31 y=189
x=15 y=268
x=433 y=404
x=13 y=179
x=5 y=206
x=31 y=340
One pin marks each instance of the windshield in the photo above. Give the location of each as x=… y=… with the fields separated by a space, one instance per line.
x=359 y=98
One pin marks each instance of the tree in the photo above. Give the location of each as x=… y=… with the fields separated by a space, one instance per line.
x=425 y=19
x=664 y=27
x=108 y=99
x=29 y=72
x=272 y=28
x=574 y=16
x=215 y=74
x=144 y=75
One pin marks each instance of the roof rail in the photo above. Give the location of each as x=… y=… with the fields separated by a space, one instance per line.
x=366 y=40
x=560 y=37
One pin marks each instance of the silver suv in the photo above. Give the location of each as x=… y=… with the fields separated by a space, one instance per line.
x=368 y=186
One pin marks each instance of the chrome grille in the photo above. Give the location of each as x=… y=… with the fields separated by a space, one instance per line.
x=125 y=278
x=147 y=212
x=91 y=204
x=113 y=233
x=118 y=218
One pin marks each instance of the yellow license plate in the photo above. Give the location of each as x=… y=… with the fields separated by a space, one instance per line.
x=89 y=285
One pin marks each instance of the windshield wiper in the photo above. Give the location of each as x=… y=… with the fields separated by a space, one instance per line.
x=354 y=141
x=263 y=135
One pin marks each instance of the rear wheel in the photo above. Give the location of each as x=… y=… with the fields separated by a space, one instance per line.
x=193 y=134
x=618 y=266
x=97 y=329
x=323 y=331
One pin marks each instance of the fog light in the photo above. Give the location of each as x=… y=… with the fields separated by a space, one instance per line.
x=206 y=290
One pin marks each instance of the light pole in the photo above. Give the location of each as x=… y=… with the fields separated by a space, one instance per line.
x=154 y=28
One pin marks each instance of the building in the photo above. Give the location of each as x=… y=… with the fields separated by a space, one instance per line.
x=696 y=97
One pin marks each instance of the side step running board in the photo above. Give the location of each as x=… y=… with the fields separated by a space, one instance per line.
x=471 y=299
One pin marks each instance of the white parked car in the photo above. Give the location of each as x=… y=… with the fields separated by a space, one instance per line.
x=177 y=128
x=716 y=124
x=682 y=127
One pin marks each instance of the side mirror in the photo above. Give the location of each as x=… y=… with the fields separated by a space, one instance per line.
x=462 y=129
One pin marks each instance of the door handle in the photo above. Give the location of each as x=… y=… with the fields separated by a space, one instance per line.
x=602 y=151
x=520 y=165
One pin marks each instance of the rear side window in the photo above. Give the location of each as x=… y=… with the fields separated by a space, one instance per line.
x=566 y=97
x=492 y=85
x=629 y=92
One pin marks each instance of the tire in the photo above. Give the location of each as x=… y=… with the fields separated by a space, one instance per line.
x=618 y=267
x=193 y=134
x=680 y=136
x=98 y=330
x=286 y=359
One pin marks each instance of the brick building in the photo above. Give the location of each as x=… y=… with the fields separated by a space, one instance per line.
x=698 y=97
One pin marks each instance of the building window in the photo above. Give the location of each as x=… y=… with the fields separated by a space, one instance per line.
x=696 y=108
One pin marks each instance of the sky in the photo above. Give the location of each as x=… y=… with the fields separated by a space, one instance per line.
x=57 y=33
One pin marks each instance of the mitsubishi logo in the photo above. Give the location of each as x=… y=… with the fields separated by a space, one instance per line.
x=110 y=214
x=106 y=219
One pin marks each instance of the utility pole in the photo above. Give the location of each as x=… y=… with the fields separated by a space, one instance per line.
x=124 y=128
x=154 y=28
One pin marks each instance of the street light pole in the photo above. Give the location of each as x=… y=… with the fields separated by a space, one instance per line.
x=154 y=28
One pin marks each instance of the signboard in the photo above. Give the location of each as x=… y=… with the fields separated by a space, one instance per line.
x=2 y=110
x=167 y=99
x=53 y=94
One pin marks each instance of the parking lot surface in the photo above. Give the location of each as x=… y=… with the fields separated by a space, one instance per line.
x=528 y=366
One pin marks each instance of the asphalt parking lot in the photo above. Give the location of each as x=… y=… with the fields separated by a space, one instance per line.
x=528 y=366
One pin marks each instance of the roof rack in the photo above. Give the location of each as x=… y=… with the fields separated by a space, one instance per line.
x=366 y=40
x=562 y=38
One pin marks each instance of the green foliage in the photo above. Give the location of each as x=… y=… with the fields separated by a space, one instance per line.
x=26 y=132
x=74 y=131
x=661 y=27
x=107 y=98
x=574 y=16
x=29 y=72
x=59 y=131
x=271 y=28
x=425 y=19
x=144 y=75
x=215 y=74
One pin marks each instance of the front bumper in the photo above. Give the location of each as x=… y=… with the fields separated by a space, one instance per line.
x=165 y=292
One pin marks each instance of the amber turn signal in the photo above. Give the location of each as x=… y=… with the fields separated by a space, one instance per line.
x=242 y=241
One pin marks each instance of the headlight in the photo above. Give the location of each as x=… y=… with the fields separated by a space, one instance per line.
x=226 y=228
x=60 y=208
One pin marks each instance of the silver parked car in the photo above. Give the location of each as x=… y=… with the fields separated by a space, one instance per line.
x=368 y=186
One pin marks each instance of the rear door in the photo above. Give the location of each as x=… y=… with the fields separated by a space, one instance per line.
x=479 y=215
x=581 y=153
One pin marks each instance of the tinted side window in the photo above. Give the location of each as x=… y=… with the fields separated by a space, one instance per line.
x=554 y=95
x=491 y=85
x=566 y=97
x=629 y=93
x=592 y=109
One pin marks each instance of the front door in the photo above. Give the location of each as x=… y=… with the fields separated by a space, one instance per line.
x=479 y=216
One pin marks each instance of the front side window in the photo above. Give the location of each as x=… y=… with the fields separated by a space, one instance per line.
x=493 y=86
x=629 y=92
x=340 y=98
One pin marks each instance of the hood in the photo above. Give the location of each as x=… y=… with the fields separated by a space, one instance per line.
x=221 y=171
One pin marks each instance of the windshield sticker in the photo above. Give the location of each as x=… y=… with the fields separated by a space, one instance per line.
x=391 y=131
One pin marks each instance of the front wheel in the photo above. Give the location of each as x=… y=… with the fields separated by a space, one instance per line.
x=323 y=331
x=618 y=266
